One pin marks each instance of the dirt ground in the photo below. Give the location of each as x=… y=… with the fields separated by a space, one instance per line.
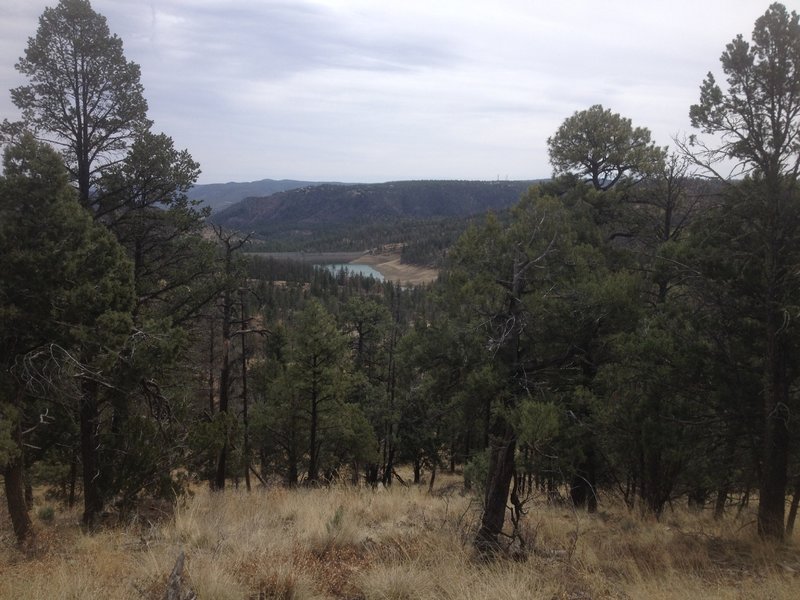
x=391 y=268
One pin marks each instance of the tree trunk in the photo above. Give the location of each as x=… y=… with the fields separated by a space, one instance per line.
x=231 y=245
x=583 y=485
x=793 y=509
x=591 y=482
x=73 y=476
x=389 y=467
x=211 y=367
x=501 y=471
x=577 y=491
x=503 y=441
x=224 y=385
x=775 y=445
x=313 y=450
x=245 y=418
x=722 y=499
x=14 y=480
x=89 y=423
x=371 y=474
x=292 y=471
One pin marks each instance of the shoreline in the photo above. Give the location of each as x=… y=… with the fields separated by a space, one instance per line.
x=392 y=269
x=387 y=264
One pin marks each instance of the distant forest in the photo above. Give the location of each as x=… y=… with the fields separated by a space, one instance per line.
x=628 y=330
x=425 y=216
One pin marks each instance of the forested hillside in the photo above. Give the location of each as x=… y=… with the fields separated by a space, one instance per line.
x=623 y=334
x=358 y=217
x=218 y=196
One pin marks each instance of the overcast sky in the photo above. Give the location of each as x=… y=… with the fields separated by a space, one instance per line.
x=380 y=90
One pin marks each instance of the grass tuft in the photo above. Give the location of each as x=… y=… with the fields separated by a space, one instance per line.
x=402 y=544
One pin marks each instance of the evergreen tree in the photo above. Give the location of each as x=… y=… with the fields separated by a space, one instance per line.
x=83 y=95
x=756 y=122
x=65 y=300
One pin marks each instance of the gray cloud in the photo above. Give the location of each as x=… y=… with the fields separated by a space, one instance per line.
x=373 y=90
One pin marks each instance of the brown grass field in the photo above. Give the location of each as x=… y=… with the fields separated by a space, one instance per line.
x=401 y=543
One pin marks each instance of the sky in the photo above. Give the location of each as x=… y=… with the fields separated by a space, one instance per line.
x=386 y=90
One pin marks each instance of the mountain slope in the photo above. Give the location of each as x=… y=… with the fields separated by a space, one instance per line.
x=222 y=195
x=321 y=207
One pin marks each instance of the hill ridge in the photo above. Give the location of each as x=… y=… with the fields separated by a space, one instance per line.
x=322 y=205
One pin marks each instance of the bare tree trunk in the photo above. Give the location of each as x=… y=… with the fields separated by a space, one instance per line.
x=14 y=483
x=231 y=244
x=501 y=471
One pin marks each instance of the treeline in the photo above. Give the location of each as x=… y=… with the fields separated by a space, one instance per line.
x=624 y=330
x=326 y=218
x=423 y=242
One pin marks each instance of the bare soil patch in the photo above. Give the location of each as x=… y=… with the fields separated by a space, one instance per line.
x=389 y=265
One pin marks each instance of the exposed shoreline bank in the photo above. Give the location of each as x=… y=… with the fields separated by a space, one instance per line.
x=387 y=264
x=392 y=269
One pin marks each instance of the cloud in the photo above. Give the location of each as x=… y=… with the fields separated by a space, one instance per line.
x=369 y=90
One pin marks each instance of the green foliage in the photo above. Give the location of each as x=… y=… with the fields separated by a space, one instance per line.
x=8 y=417
x=65 y=294
x=361 y=217
x=46 y=514
x=82 y=90
x=600 y=332
x=334 y=525
x=207 y=436
x=537 y=422
x=350 y=439
x=755 y=122
x=66 y=280
x=476 y=473
x=604 y=147
x=756 y=118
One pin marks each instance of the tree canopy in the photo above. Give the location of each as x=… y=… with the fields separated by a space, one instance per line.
x=604 y=147
x=83 y=95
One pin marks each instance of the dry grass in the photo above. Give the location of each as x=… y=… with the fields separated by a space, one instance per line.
x=400 y=544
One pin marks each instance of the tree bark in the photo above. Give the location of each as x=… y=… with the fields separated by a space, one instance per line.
x=719 y=504
x=313 y=448
x=14 y=484
x=503 y=439
x=89 y=423
x=793 y=509
x=775 y=444
x=501 y=471
x=583 y=488
x=245 y=417
x=224 y=392
x=73 y=476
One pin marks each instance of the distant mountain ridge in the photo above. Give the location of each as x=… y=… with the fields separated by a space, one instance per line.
x=221 y=195
x=315 y=208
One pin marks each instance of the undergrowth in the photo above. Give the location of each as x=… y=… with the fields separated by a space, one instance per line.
x=403 y=543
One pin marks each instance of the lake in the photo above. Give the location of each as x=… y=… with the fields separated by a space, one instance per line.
x=365 y=270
